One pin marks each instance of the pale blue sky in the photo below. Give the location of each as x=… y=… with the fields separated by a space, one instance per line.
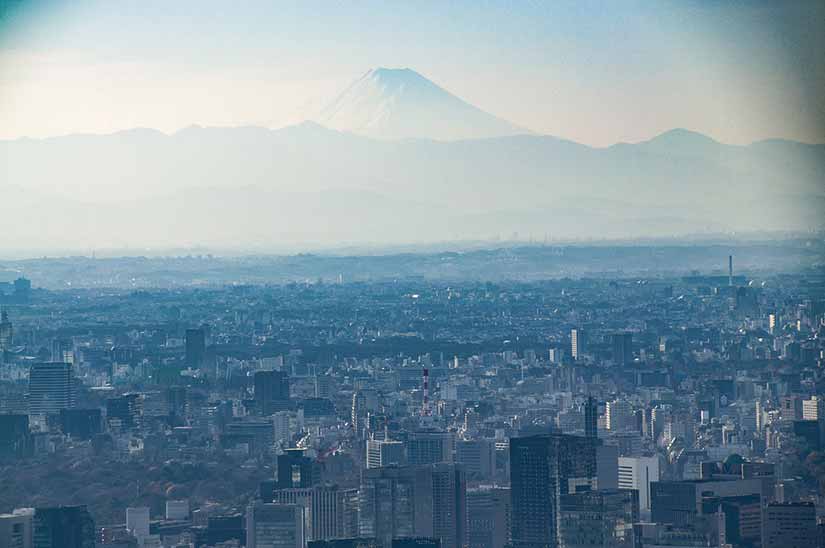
x=594 y=72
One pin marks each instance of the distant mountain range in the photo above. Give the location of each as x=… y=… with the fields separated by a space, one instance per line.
x=309 y=184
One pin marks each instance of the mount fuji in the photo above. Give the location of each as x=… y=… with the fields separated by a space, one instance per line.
x=402 y=104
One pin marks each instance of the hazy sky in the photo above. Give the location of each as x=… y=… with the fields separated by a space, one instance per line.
x=593 y=72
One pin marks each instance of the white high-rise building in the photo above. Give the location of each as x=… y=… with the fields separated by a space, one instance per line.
x=577 y=343
x=637 y=473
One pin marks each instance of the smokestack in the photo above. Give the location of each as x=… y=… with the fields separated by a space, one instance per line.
x=425 y=405
x=730 y=270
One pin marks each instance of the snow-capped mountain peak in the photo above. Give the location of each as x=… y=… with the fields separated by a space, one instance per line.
x=389 y=103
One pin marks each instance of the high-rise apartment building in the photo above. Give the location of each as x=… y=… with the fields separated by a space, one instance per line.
x=51 y=388
x=578 y=343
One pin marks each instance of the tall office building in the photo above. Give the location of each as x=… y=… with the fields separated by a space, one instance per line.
x=63 y=527
x=125 y=412
x=16 y=529
x=488 y=517
x=271 y=391
x=414 y=501
x=15 y=437
x=325 y=506
x=478 y=457
x=679 y=503
x=619 y=416
x=294 y=469
x=6 y=333
x=578 y=343
x=601 y=518
x=62 y=351
x=51 y=388
x=195 y=348
x=271 y=525
x=638 y=473
x=591 y=418
x=622 y=345
x=790 y=525
x=385 y=453
x=430 y=447
x=543 y=468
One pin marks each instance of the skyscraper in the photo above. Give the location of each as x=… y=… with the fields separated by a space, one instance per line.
x=63 y=527
x=6 y=333
x=16 y=529
x=51 y=388
x=271 y=391
x=414 y=501
x=619 y=416
x=430 y=447
x=195 y=348
x=488 y=517
x=543 y=468
x=790 y=525
x=384 y=453
x=591 y=418
x=601 y=518
x=297 y=470
x=15 y=437
x=271 y=525
x=125 y=412
x=638 y=473
x=622 y=344
x=578 y=343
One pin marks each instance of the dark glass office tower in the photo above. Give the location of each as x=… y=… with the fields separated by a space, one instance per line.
x=271 y=391
x=543 y=468
x=63 y=527
x=195 y=348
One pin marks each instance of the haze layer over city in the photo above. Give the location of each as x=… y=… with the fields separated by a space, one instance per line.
x=412 y=274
